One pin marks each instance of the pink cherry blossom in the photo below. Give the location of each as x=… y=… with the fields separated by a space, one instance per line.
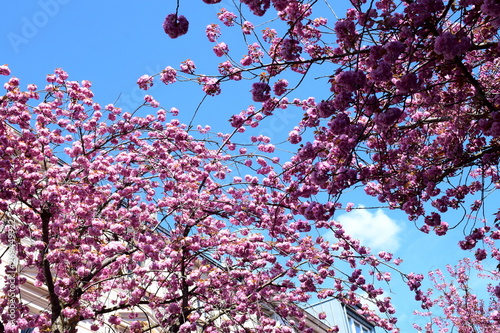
x=261 y=92
x=4 y=70
x=213 y=32
x=221 y=49
x=449 y=45
x=258 y=7
x=290 y=50
x=280 y=4
x=168 y=75
x=145 y=82
x=188 y=67
x=280 y=86
x=226 y=17
x=247 y=27
x=175 y=26
x=211 y=86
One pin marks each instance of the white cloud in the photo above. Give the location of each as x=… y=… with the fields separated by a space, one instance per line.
x=375 y=230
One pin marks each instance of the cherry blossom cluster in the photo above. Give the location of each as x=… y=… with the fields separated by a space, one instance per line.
x=226 y=17
x=175 y=26
x=459 y=305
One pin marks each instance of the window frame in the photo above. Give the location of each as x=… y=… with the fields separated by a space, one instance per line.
x=353 y=319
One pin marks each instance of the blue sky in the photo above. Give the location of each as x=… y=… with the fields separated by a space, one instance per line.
x=112 y=43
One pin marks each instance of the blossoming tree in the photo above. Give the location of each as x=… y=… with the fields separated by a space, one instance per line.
x=409 y=112
x=409 y=109
x=125 y=214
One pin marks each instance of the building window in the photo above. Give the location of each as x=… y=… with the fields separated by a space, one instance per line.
x=27 y=330
x=357 y=327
